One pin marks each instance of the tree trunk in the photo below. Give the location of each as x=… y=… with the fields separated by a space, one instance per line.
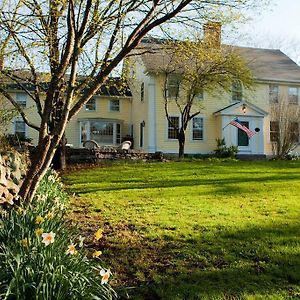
x=181 y=141
x=59 y=159
x=38 y=168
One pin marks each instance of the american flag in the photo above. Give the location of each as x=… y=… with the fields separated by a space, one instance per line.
x=237 y=124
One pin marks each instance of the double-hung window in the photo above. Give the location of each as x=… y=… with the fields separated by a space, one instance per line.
x=237 y=91
x=197 y=129
x=274 y=131
x=21 y=99
x=293 y=95
x=114 y=105
x=173 y=124
x=91 y=105
x=173 y=84
x=20 y=128
x=273 y=93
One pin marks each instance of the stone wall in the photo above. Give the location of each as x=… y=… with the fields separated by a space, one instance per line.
x=12 y=171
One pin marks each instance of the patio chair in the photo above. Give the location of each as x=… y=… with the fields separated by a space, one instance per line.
x=126 y=145
x=90 y=144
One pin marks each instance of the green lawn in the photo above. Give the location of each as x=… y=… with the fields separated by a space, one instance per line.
x=195 y=229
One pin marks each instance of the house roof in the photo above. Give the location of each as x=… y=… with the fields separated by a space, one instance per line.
x=113 y=87
x=265 y=64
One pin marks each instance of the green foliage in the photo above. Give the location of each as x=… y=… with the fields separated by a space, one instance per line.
x=199 y=229
x=30 y=269
x=223 y=151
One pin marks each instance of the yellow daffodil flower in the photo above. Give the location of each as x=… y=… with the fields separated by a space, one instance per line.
x=38 y=231
x=98 y=234
x=39 y=220
x=96 y=254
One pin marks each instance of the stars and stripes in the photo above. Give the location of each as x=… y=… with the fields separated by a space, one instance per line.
x=239 y=125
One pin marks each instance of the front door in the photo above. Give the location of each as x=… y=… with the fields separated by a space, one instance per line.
x=243 y=140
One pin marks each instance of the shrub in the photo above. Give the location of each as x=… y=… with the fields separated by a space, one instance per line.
x=223 y=151
x=41 y=258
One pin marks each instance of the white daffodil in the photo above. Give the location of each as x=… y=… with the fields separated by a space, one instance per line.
x=105 y=275
x=48 y=238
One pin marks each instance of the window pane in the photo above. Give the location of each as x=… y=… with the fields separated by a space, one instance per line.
x=101 y=132
x=274 y=131
x=114 y=105
x=198 y=129
x=20 y=128
x=21 y=99
x=142 y=91
x=172 y=133
x=237 y=91
x=293 y=95
x=273 y=93
x=294 y=129
x=91 y=105
x=173 y=83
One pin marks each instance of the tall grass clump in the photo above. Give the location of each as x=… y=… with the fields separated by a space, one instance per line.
x=41 y=257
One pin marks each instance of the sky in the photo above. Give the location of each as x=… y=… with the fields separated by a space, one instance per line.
x=277 y=26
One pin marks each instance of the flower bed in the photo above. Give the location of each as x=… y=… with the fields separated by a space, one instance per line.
x=41 y=258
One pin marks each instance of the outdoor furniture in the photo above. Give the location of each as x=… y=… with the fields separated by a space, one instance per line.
x=126 y=145
x=90 y=144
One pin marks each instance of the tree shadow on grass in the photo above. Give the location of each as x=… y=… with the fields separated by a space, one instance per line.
x=212 y=264
x=221 y=184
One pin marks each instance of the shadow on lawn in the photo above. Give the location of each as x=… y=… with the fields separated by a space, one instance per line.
x=215 y=264
x=221 y=184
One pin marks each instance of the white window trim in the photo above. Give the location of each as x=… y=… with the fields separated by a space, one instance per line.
x=88 y=136
x=191 y=130
x=167 y=128
x=26 y=99
x=88 y=110
x=14 y=126
x=109 y=107
x=293 y=87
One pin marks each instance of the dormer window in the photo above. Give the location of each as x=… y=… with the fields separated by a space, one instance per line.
x=237 y=91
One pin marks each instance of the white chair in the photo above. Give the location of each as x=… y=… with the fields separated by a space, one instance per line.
x=126 y=145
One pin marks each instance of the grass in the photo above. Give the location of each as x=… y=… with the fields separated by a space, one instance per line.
x=195 y=229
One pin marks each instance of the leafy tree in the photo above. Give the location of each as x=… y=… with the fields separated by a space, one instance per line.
x=58 y=41
x=203 y=65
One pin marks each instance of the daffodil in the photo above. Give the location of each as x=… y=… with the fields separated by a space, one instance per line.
x=50 y=216
x=20 y=211
x=72 y=249
x=96 y=254
x=39 y=220
x=98 y=234
x=105 y=275
x=48 y=238
x=81 y=239
x=38 y=231
x=24 y=242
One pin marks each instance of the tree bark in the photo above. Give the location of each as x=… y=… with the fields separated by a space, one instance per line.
x=181 y=141
x=41 y=161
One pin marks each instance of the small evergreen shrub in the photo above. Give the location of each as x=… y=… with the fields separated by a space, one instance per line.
x=223 y=151
x=41 y=258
